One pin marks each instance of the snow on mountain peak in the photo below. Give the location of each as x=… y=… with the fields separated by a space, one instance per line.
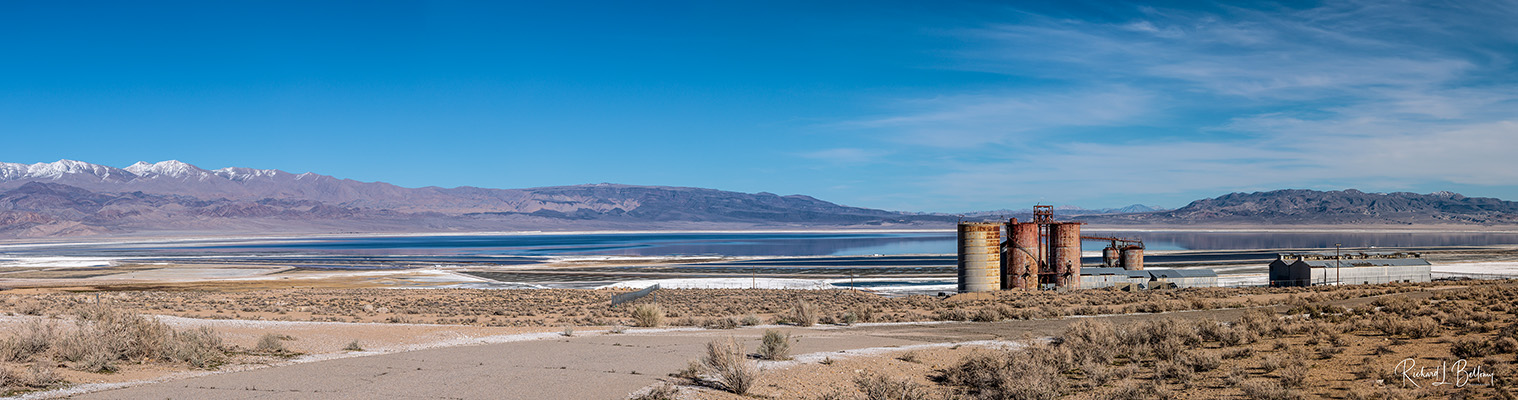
x=240 y=174
x=59 y=169
x=170 y=168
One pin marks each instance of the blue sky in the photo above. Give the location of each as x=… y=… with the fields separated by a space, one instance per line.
x=896 y=105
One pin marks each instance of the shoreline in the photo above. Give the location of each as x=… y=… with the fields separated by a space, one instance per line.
x=190 y=237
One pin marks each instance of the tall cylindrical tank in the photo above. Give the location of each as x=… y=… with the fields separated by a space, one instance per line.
x=1022 y=256
x=1065 y=253
x=979 y=256
x=1111 y=257
x=1133 y=258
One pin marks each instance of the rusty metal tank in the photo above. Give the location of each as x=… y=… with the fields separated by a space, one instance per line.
x=1111 y=257
x=1022 y=256
x=1133 y=258
x=979 y=256
x=1065 y=253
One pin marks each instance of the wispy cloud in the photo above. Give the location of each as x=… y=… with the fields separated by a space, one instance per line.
x=1346 y=94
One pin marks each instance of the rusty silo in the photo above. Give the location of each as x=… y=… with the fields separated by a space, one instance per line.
x=1022 y=257
x=1111 y=256
x=979 y=256
x=1065 y=253
x=1133 y=258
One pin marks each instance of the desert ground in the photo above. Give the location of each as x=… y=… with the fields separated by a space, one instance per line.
x=123 y=328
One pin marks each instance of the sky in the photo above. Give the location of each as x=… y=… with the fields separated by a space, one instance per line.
x=942 y=107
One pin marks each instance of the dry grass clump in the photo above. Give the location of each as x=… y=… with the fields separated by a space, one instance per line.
x=1032 y=373
x=664 y=391
x=729 y=367
x=775 y=345
x=803 y=314
x=882 y=387
x=37 y=376
x=273 y=343
x=101 y=337
x=648 y=315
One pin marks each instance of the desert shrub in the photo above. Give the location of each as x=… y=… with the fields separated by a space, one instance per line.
x=882 y=387
x=200 y=348
x=272 y=343
x=750 y=320
x=992 y=313
x=732 y=369
x=1294 y=374
x=804 y=314
x=1147 y=390
x=356 y=346
x=664 y=391
x=848 y=318
x=1173 y=371
x=648 y=315
x=775 y=345
x=1091 y=340
x=1420 y=327
x=41 y=375
x=1397 y=304
x=910 y=356
x=105 y=335
x=1029 y=374
x=34 y=338
x=1505 y=345
x=720 y=323
x=692 y=371
x=1260 y=323
x=1200 y=361
x=30 y=308
x=1471 y=347
x=866 y=314
x=1236 y=376
x=952 y=314
x=1267 y=390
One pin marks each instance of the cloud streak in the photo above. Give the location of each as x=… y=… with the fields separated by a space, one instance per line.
x=1190 y=103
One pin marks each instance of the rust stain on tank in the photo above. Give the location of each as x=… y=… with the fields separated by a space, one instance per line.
x=1133 y=258
x=1065 y=253
x=979 y=256
x=1023 y=256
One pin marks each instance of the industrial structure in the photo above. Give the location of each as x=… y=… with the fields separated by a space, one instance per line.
x=1348 y=269
x=1039 y=254
x=1096 y=278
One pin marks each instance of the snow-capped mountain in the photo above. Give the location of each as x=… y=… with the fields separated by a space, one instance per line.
x=77 y=198
x=63 y=170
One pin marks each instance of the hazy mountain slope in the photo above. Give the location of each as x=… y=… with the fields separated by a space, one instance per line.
x=1297 y=206
x=75 y=198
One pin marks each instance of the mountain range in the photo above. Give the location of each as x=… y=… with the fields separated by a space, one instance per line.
x=74 y=198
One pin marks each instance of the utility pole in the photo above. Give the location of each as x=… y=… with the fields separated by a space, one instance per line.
x=1337 y=267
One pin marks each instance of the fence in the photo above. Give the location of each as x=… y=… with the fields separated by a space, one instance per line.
x=630 y=296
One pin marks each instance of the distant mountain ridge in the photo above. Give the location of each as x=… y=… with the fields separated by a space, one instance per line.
x=1350 y=206
x=74 y=198
x=1070 y=211
x=77 y=198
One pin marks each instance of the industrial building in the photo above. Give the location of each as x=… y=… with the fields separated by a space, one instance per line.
x=1096 y=278
x=1041 y=254
x=1348 y=269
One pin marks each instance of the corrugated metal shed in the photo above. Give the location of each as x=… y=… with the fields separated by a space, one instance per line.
x=1181 y=273
x=1375 y=262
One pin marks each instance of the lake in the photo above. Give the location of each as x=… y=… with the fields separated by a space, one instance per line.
x=756 y=244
